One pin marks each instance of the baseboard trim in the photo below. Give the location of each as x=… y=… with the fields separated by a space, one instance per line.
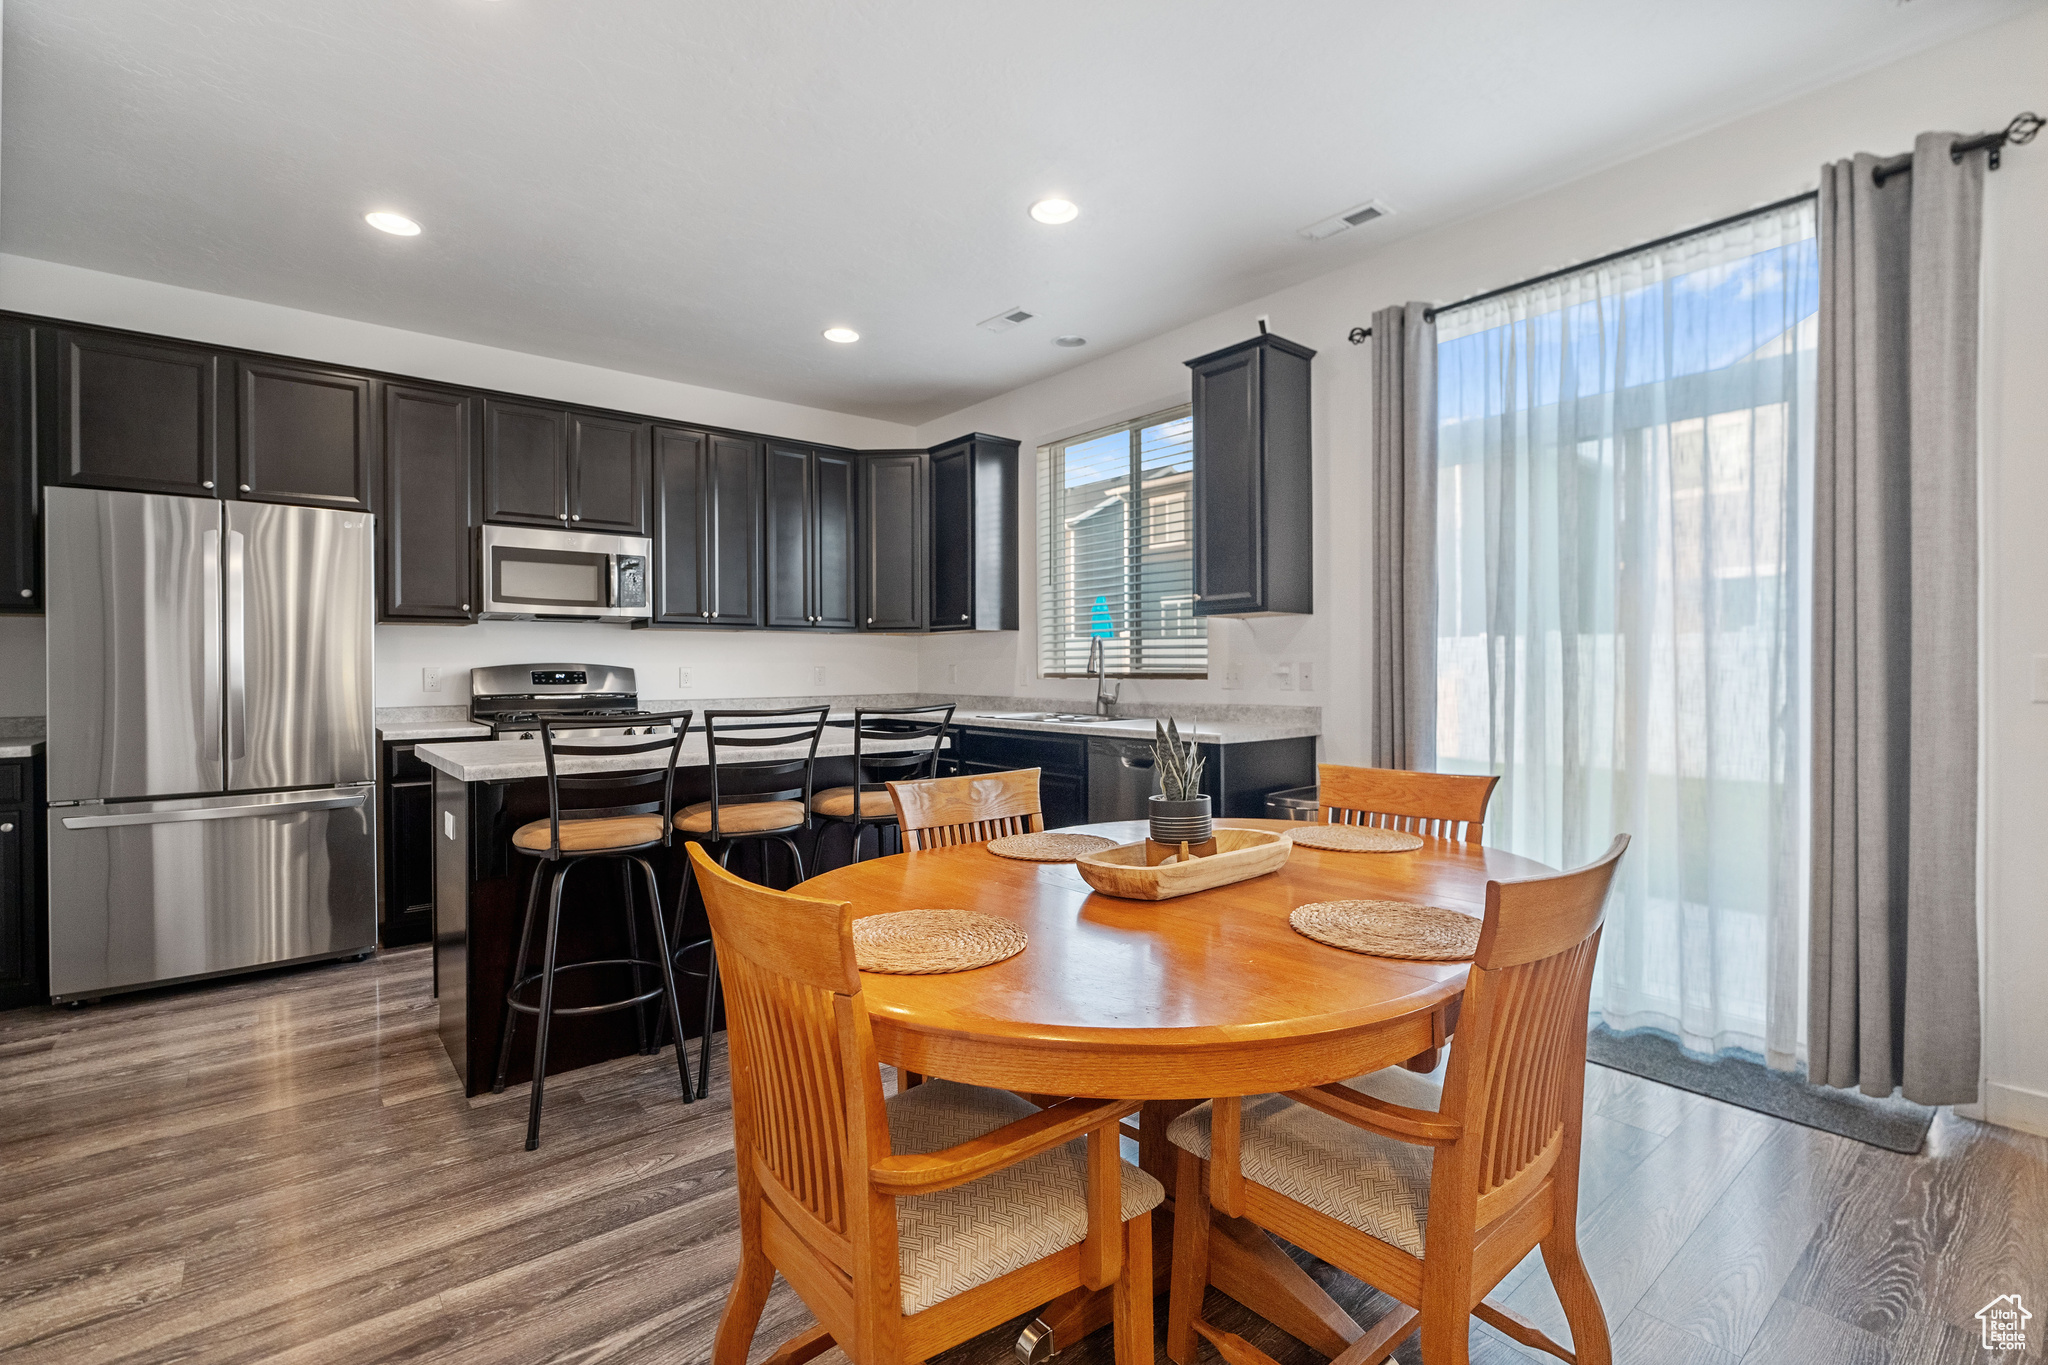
x=2015 y=1106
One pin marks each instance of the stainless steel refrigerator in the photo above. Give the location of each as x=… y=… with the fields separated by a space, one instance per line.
x=211 y=744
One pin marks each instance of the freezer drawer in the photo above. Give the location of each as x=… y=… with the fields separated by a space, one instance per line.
x=146 y=892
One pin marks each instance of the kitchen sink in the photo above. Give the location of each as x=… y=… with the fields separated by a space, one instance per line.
x=1064 y=718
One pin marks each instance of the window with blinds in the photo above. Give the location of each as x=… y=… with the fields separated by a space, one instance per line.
x=1116 y=551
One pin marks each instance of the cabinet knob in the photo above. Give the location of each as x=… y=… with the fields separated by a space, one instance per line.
x=7 y=828
x=705 y=614
x=206 y=483
x=28 y=592
x=712 y=614
x=465 y=606
x=963 y=616
x=563 y=515
x=871 y=620
x=577 y=517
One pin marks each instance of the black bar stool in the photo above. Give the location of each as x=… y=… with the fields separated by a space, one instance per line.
x=568 y=839
x=751 y=800
x=902 y=729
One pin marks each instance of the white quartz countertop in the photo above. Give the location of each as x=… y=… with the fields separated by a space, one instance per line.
x=430 y=729
x=20 y=748
x=505 y=760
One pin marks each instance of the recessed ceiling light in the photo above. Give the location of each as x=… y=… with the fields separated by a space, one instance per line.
x=397 y=224
x=842 y=335
x=1055 y=211
x=1070 y=341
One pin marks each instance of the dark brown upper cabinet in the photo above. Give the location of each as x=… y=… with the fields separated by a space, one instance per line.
x=607 y=474
x=133 y=414
x=894 y=555
x=1253 y=514
x=305 y=435
x=21 y=561
x=430 y=454
x=811 y=501
x=707 y=529
x=974 y=534
x=526 y=463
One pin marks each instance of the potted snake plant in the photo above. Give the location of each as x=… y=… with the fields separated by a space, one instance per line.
x=1180 y=810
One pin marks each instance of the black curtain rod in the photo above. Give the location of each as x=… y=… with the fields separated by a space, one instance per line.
x=2018 y=132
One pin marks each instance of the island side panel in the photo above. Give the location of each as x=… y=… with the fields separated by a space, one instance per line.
x=451 y=917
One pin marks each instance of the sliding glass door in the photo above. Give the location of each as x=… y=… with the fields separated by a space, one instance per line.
x=1621 y=621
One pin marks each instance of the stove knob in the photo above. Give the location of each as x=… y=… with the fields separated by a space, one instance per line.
x=526 y=734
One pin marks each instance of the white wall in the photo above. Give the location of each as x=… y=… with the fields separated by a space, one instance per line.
x=753 y=664
x=1971 y=85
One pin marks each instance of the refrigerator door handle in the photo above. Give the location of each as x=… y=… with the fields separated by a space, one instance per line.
x=297 y=801
x=209 y=645
x=237 y=623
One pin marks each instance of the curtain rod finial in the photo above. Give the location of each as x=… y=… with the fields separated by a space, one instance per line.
x=1359 y=335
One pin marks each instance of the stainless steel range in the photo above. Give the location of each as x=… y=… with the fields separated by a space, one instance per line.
x=515 y=698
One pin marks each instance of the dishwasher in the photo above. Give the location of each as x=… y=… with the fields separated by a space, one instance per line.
x=1120 y=778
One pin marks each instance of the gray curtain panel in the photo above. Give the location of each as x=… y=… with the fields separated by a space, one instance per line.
x=1893 y=998
x=1404 y=538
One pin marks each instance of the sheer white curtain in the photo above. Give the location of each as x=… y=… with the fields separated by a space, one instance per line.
x=1624 y=460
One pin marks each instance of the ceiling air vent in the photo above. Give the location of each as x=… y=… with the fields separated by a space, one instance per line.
x=1349 y=218
x=1005 y=320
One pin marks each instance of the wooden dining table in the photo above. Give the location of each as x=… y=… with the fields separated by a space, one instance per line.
x=1171 y=1002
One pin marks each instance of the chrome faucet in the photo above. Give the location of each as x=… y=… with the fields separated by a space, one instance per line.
x=1098 y=669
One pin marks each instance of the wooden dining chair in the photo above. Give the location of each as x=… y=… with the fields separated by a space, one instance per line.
x=1434 y=805
x=943 y=811
x=911 y=1224
x=1429 y=1205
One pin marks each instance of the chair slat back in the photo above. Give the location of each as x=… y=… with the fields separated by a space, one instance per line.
x=972 y=809
x=655 y=782
x=802 y=1104
x=1433 y=805
x=738 y=781
x=896 y=726
x=1518 y=1066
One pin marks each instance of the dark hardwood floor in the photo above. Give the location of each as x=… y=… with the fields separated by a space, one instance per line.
x=284 y=1169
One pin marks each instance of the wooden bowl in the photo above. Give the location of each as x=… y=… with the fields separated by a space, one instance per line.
x=1241 y=855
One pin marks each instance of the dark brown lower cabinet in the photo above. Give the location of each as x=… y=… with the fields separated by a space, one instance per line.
x=23 y=924
x=408 y=911
x=1061 y=760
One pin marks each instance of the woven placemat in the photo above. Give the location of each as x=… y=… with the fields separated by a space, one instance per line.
x=1048 y=848
x=927 y=942
x=1427 y=933
x=1355 y=839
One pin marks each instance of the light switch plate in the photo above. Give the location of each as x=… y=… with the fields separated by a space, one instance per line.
x=685 y=678
x=2041 y=677
x=430 y=679
x=1306 y=673
x=1230 y=679
x=1283 y=677
x=817 y=675
x=952 y=675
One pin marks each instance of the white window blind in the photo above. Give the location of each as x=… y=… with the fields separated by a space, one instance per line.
x=1116 y=551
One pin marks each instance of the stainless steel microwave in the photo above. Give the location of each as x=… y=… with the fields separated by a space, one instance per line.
x=536 y=575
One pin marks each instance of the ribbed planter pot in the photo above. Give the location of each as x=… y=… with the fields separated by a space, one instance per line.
x=1176 y=822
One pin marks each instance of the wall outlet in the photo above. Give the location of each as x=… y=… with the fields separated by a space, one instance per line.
x=1306 y=673
x=430 y=680
x=1231 y=681
x=1283 y=677
x=817 y=675
x=685 y=678
x=952 y=675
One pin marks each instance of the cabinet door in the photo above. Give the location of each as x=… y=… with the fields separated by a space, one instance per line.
x=953 y=538
x=681 y=503
x=14 y=928
x=834 y=597
x=1229 y=486
x=140 y=415
x=789 y=535
x=305 y=435
x=892 y=553
x=733 y=532
x=607 y=474
x=21 y=558
x=526 y=464
x=429 y=453
x=1063 y=798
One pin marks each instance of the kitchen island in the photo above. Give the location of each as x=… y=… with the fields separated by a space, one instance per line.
x=483 y=791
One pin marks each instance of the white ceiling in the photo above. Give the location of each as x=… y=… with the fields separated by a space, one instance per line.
x=695 y=190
